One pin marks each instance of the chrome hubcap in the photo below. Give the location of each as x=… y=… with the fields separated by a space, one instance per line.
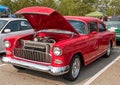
x=76 y=68
x=109 y=49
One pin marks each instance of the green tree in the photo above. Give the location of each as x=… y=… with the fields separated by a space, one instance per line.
x=102 y=6
x=47 y=3
x=68 y=7
x=115 y=7
x=18 y=4
x=74 y=7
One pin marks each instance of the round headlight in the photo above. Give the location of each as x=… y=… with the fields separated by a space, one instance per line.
x=36 y=39
x=57 y=51
x=7 y=44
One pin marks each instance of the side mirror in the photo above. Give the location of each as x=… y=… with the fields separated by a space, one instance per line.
x=94 y=32
x=7 y=30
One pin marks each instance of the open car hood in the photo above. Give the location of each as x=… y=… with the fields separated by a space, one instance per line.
x=42 y=18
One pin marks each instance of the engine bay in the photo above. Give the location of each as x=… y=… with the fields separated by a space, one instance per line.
x=40 y=40
x=45 y=39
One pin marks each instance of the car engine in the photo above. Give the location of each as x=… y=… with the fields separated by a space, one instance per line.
x=44 y=39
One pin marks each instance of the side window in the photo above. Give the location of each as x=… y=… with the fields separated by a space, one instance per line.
x=101 y=27
x=13 y=26
x=79 y=26
x=92 y=27
x=24 y=25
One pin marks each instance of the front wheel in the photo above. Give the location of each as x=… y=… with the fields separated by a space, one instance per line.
x=109 y=49
x=74 y=70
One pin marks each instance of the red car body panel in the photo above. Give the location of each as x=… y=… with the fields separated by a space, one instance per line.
x=90 y=45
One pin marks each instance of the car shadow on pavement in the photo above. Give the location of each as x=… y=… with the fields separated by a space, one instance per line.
x=1 y=55
x=86 y=72
x=118 y=43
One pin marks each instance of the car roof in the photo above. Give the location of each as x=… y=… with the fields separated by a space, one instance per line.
x=11 y=19
x=115 y=18
x=83 y=18
x=112 y=22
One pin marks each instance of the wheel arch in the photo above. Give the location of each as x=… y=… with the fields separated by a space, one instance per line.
x=69 y=76
x=81 y=57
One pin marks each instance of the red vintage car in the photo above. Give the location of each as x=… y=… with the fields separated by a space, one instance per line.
x=60 y=45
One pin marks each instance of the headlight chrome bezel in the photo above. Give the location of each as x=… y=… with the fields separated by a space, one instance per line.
x=7 y=44
x=57 y=51
x=36 y=39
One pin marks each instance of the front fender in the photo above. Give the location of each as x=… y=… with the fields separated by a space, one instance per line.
x=69 y=50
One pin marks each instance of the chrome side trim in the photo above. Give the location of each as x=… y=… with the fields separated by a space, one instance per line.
x=48 y=69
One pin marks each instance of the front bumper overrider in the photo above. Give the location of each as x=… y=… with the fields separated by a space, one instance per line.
x=48 y=69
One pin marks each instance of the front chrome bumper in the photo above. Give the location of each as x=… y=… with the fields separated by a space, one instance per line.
x=48 y=69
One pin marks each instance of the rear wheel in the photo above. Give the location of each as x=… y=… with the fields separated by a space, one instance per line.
x=74 y=70
x=109 y=49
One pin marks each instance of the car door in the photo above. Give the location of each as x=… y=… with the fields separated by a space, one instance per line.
x=103 y=37
x=16 y=27
x=93 y=41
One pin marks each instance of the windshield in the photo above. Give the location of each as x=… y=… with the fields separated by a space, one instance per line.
x=78 y=25
x=2 y=23
x=108 y=25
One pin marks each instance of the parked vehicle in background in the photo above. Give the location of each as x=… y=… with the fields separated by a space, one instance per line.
x=115 y=18
x=114 y=26
x=61 y=45
x=11 y=27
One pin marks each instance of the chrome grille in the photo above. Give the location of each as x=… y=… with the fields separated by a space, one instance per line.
x=32 y=55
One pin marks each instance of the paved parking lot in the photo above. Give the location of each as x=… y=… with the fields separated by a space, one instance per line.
x=104 y=71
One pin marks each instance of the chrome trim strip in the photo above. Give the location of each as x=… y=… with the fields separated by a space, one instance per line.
x=48 y=69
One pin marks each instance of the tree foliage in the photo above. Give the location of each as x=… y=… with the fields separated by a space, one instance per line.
x=68 y=7
x=74 y=7
x=115 y=7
